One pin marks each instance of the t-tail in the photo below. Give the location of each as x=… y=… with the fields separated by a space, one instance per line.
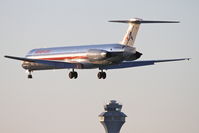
x=134 y=24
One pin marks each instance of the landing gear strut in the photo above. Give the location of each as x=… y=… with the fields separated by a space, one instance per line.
x=29 y=75
x=73 y=74
x=101 y=75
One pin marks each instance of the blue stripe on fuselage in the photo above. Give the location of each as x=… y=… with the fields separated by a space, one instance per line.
x=75 y=49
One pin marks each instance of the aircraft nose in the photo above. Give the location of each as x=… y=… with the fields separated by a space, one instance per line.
x=25 y=65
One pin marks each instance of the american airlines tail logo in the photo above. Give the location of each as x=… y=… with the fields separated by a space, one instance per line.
x=129 y=37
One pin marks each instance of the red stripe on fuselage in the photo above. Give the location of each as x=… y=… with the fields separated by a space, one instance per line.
x=63 y=58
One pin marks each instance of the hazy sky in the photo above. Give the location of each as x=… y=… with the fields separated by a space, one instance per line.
x=163 y=98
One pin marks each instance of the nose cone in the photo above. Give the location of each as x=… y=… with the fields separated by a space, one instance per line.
x=25 y=65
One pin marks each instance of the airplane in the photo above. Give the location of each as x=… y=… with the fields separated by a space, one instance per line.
x=101 y=56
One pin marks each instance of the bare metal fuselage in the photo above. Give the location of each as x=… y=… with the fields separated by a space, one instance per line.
x=85 y=57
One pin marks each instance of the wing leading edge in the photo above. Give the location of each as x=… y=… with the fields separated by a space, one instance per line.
x=55 y=64
x=128 y=64
x=139 y=63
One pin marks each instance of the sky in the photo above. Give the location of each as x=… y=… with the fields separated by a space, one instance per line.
x=163 y=98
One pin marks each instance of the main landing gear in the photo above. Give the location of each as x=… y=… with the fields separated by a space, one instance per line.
x=73 y=74
x=101 y=75
x=29 y=75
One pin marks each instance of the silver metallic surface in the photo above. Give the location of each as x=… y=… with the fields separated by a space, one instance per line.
x=84 y=57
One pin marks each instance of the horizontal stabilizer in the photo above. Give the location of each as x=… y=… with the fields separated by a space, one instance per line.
x=140 y=21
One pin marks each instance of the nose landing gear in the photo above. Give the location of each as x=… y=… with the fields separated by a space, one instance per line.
x=29 y=75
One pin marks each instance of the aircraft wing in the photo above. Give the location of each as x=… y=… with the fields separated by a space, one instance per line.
x=139 y=63
x=56 y=64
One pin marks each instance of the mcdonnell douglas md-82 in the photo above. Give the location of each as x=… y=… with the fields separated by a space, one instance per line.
x=101 y=56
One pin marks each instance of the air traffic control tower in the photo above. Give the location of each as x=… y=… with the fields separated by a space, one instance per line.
x=113 y=118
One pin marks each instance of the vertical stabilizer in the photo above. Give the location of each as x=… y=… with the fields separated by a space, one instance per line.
x=134 y=25
x=131 y=33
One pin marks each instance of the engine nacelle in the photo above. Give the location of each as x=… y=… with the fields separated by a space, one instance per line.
x=97 y=55
x=135 y=56
x=130 y=53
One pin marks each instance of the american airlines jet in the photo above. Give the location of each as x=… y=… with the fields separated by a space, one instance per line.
x=101 y=56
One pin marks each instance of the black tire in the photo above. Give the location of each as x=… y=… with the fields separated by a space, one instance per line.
x=29 y=76
x=70 y=75
x=103 y=75
x=99 y=75
x=75 y=75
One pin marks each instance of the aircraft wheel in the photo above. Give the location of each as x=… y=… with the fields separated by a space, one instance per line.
x=99 y=75
x=103 y=75
x=75 y=74
x=29 y=76
x=70 y=75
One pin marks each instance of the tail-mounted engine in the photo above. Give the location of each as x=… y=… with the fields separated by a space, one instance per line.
x=130 y=53
x=97 y=55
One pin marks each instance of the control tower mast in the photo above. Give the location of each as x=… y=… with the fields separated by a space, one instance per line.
x=113 y=118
